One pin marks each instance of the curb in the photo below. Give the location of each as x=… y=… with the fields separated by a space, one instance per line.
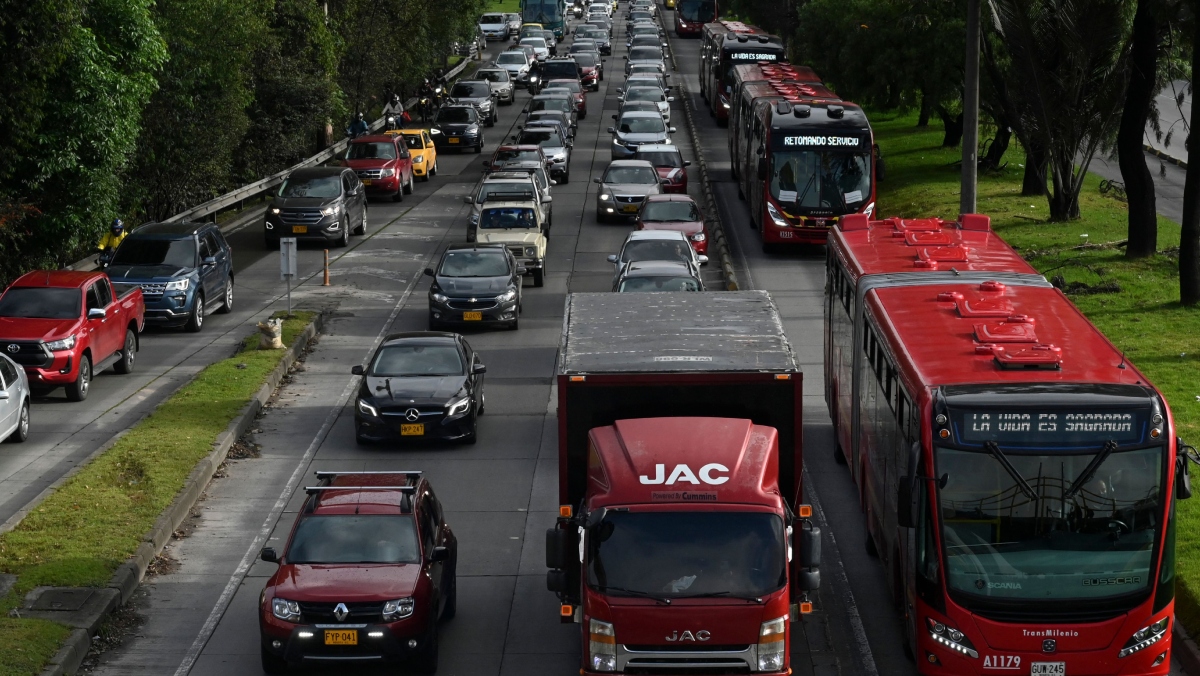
x=130 y=573
x=1185 y=649
x=1163 y=156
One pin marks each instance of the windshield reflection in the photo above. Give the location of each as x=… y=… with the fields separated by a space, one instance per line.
x=816 y=179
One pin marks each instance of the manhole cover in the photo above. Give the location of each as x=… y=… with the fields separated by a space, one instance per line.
x=62 y=599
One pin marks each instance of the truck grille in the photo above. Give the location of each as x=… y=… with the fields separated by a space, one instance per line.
x=300 y=216
x=323 y=612
x=153 y=289
x=517 y=251
x=722 y=659
x=27 y=353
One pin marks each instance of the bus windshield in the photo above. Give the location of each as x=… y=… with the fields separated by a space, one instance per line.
x=697 y=11
x=545 y=12
x=820 y=179
x=1051 y=525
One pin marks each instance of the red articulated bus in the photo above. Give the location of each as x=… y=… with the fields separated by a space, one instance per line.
x=752 y=81
x=1017 y=472
x=811 y=163
x=691 y=15
x=722 y=51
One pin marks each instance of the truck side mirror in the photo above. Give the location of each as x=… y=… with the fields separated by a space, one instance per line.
x=439 y=554
x=1183 y=481
x=806 y=540
x=762 y=169
x=906 y=516
x=558 y=548
x=269 y=555
x=556 y=581
x=96 y=313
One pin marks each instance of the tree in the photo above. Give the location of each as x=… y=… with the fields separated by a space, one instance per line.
x=1189 y=235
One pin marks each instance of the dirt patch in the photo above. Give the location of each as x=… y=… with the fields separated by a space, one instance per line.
x=120 y=625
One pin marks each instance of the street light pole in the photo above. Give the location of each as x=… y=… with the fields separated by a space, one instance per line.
x=970 y=139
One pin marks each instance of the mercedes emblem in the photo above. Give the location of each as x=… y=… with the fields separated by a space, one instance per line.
x=412 y=415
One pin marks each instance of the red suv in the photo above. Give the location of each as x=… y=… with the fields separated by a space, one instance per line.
x=382 y=163
x=367 y=574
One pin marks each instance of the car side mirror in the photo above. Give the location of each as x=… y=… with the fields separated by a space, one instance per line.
x=687 y=163
x=612 y=130
x=269 y=555
x=762 y=169
x=211 y=260
x=439 y=554
x=906 y=509
x=595 y=180
x=671 y=130
x=620 y=91
x=553 y=182
x=428 y=272
x=521 y=270
x=357 y=370
x=625 y=57
x=478 y=369
x=670 y=99
x=702 y=259
x=548 y=200
x=96 y=313
x=612 y=258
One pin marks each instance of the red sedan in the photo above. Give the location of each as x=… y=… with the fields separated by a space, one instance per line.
x=675 y=212
x=669 y=164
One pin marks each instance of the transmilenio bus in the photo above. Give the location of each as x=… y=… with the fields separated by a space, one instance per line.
x=550 y=13
x=726 y=44
x=753 y=81
x=1018 y=474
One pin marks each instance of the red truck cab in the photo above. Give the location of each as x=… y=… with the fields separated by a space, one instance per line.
x=382 y=163
x=680 y=544
x=65 y=326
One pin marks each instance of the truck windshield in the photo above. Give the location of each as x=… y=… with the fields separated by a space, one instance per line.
x=178 y=253
x=355 y=539
x=40 y=303
x=506 y=218
x=681 y=554
x=1060 y=525
x=820 y=179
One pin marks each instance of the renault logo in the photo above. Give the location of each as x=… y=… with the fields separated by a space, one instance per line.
x=412 y=415
x=341 y=612
x=13 y=348
x=1049 y=645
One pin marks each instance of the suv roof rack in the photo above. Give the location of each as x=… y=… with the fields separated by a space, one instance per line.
x=508 y=196
x=408 y=488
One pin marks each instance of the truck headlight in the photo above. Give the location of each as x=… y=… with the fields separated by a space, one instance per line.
x=772 y=639
x=531 y=251
x=367 y=409
x=398 y=609
x=776 y=216
x=459 y=406
x=60 y=345
x=602 y=646
x=178 y=285
x=285 y=610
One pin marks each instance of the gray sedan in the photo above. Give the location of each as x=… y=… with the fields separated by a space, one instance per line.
x=14 y=401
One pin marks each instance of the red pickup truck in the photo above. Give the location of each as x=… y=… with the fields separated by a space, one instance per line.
x=64 y=326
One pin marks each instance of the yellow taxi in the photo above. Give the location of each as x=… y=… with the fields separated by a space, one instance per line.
x=669 y=3
x=424 y=155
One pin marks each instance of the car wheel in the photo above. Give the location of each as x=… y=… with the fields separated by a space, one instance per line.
x=451 y=608
x=272 y=664
x=479 y=148
x=78 y=390
x=566 y=178
x=227 y=301
x=20 y=434
x=344 y=240
x=196 y=321
x=398 y=196
x=433 y=170
x=128 y=352
x=539 y=276
x=482 y=401
x=408 y=187
x=426 y=661
x=362 y=226
x=361 y=440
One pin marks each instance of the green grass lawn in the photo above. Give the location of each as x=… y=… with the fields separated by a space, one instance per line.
x=1139 y=312
x=80 y=534
x=507 y=6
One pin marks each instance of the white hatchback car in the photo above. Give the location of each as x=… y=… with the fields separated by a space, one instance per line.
x=14 y=401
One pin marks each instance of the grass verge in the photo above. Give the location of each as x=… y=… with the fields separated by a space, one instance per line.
x=507 y=6
x=80 y=534
x=1135 y=303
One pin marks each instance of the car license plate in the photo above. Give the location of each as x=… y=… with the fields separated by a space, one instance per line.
x=453 y=140
x=341 y=637
x=1047 y=668
x=366 y=181
x=299 y=229
x=472 y=316
x=412 y=429
x=785 y=234
x=629 y=208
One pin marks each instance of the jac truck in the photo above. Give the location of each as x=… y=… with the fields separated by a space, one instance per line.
x=682 y=544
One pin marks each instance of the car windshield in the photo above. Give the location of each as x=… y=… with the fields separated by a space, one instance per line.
x=506 y=218
x=417 y=360
x=413 y=141
x=456 y=115
x=682 y=554
x=176 y=253
x=542 y=137
x=656 y=250
x=322 y=187
x=661 y=158
x=493 y=75
x=517 y=156
x=646 y=54
x=40 y=303
x=474 y=263
x=642 y=125
x=536 y=43
x=657 y=212
x=820 y=179
x=371 y=151
x=656 y=284
x=355 y=538
x=631 y=176
x=492 y=19
x=563 y=105
x=585 y=60
x=1069 y=542
x=468 y=90
x=512 y=58
x=645 y=94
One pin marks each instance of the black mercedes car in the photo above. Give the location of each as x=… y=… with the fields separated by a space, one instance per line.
x=458 y=126
x=475 y=284
x=420 y=385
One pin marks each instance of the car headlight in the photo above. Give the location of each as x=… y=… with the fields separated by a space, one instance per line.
x=439 y=297
x=367 y=409
x=602 y=646
x=697 y=237
x=507 y=296
x=330 y=210
x=285 y=609
x=398 y=609
x=1145 y=637
x=605 y=197
x=776 y=216
x=177 y=285
x=387 y=173
x=771 y=644
x=60 y=345
x=458 y=406
x=417 y=159
x=471 y=132
x=950 y=637
x=275 y=210
x=531 y=251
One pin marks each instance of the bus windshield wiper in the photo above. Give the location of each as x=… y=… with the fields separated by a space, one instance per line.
x=807 y=186
x=1090 y=471
x=634 y=592
x=993 y=449
x=706 y=595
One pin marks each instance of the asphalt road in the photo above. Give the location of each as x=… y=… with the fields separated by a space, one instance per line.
x=501 y=494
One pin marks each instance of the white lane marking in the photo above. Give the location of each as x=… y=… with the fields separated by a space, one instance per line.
x=856 y=625
x=239 y=574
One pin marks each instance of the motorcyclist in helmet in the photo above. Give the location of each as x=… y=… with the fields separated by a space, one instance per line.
x=358 y=127
x=428 y=96
x=394 y=112
x=112 y=238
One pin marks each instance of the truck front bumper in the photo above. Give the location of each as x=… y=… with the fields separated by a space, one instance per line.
x=62 y=368
x=734 y=659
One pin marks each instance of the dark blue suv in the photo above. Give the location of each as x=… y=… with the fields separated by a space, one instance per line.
x=185 y=271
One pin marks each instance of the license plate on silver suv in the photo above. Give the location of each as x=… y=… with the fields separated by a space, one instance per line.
x=1047 y=669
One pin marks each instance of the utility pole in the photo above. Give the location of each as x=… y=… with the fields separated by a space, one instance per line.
x=970 y=139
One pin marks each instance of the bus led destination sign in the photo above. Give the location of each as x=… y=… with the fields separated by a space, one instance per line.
x=1050 y=427
x=753 y=56
x=824 y=141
